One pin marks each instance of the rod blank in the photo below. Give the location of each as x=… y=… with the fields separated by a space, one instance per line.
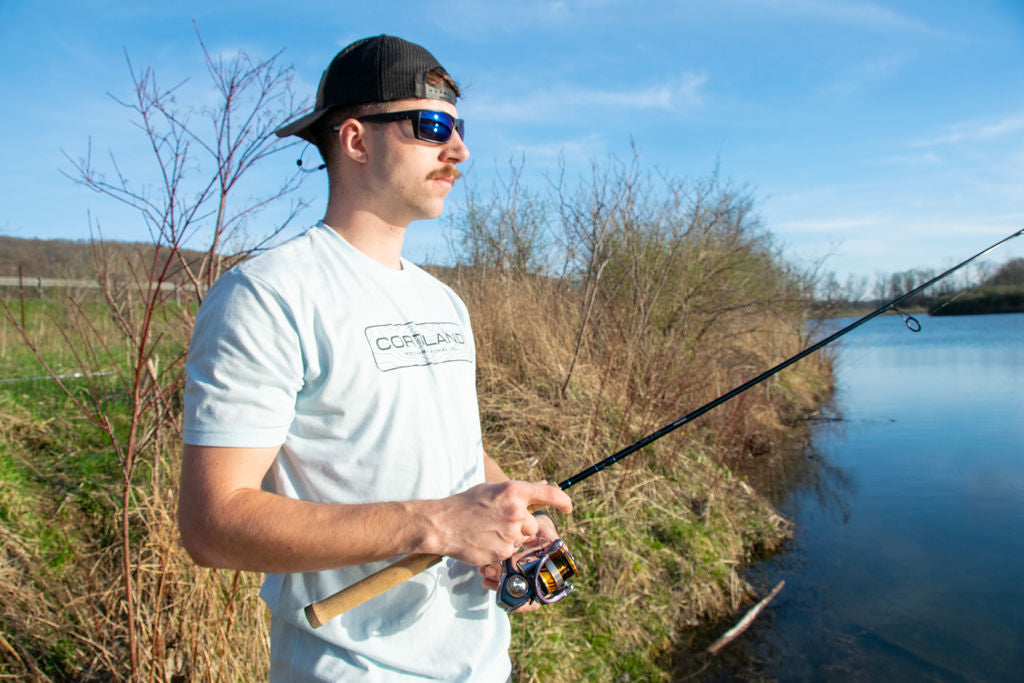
x=324 y=610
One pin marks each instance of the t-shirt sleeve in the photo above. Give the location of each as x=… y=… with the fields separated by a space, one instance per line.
x=244 y=367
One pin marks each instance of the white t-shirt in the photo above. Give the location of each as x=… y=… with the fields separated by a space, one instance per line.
x=366 y=378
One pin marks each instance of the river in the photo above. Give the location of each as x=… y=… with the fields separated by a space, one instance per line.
x=908 y=557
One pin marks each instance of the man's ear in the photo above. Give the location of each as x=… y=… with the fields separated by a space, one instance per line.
x=352 y=140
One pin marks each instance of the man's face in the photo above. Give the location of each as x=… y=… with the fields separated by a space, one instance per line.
x=412 y=177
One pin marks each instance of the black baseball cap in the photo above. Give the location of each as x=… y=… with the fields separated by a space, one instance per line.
x=378 y=69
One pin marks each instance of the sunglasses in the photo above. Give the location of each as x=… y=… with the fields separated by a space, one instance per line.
x=432 y=126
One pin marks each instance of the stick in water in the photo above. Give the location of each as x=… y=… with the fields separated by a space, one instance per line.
x=745 y=622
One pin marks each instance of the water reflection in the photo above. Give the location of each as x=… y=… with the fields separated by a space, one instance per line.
x=804 y=477
x=909 y=518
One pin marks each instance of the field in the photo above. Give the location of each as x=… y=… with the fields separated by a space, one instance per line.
x=95 y=584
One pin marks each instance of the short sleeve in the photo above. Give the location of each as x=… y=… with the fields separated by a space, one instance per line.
x=244 y=367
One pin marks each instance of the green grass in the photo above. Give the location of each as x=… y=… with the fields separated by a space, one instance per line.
x=654 y=558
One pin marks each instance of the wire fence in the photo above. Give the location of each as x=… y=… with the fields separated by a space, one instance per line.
x=72 y=375
x=41 y=284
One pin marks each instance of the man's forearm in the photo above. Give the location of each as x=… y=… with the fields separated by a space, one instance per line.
x=227 y=521
x=259 y=531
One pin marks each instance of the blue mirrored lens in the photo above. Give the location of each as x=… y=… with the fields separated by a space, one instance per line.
x=437 y=126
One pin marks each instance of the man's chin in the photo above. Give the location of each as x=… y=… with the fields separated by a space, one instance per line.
x=435 y=210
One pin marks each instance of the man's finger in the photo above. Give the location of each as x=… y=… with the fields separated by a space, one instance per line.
x=542 y=495
x=529 y=528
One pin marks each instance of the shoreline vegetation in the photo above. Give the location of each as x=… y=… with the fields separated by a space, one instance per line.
x=989 y=298
x=999 y=290
x=602 y=311
x=669 y=299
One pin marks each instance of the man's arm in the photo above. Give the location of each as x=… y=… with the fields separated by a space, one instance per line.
x=492 y=470
x=227 y=521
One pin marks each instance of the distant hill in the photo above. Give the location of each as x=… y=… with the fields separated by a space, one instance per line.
x=69 y=258
x=45 y=258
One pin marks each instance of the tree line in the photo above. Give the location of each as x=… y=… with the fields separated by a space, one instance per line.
x=76 y=259
x=978 y=283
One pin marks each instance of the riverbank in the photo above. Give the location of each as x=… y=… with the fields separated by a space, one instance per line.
x=670 y=295
x=982 y=300
x=662 y=539
x=908 y=517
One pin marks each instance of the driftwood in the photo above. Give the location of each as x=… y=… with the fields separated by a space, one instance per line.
x=745 y=622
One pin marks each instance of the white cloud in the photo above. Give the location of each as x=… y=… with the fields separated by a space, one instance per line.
x=473 y=18
x=924 y=158
x=974 y=131
x=572 y=152
x=682 y=93
x=866 y=75
x=829 y=225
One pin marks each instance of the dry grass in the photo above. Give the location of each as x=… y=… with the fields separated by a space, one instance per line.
x=61 y=596
x=662 y=537
x=668 y=315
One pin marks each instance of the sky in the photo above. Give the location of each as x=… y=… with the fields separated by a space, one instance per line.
x=875 y=137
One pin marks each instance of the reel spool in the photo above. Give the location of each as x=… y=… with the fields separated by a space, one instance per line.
x=539 y=574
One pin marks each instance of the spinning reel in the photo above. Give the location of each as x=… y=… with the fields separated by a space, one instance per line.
x=537 y=574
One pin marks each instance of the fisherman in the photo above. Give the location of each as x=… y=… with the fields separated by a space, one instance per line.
x=331 y=418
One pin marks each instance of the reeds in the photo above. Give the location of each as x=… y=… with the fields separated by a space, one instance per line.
x=670 y=294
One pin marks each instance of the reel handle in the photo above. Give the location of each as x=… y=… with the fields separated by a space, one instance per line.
x=322 y=611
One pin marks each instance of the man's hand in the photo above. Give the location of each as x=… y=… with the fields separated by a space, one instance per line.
x=547 y=534
x=490 y=522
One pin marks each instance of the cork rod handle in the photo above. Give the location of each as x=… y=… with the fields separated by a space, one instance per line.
x=322 y=611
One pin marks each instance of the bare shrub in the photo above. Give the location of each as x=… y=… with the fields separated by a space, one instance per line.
x=506 y=231
x=672 y=295
x=140 y=609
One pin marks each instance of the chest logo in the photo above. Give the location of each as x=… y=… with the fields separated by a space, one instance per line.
x=406 y=345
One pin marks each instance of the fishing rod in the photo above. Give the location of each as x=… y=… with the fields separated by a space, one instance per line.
x=542 y=574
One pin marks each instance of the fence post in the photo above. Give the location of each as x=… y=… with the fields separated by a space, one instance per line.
x=21 y=293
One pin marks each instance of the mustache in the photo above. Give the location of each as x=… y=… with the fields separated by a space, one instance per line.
x=445 y=172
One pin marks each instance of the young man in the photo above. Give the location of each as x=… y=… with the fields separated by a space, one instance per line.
x=331 y=421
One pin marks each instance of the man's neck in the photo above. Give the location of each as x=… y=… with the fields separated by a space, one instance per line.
x=368 y=233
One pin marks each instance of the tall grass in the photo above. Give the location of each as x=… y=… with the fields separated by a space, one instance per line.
x=671 y=295
x=652 y=297
x=125 y=602
x=73 y=517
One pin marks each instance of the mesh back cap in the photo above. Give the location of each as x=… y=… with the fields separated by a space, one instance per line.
x=378 y=69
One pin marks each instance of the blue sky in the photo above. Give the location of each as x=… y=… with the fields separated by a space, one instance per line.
x=884 y=135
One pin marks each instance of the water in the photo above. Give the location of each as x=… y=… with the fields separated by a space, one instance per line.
x=908 y=562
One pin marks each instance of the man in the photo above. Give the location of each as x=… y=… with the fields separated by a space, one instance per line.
x=331 y=421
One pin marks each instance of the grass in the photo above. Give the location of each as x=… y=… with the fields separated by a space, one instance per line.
x=62 y=612
x=662 y=538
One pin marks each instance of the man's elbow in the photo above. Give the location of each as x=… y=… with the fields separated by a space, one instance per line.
x=197 y=539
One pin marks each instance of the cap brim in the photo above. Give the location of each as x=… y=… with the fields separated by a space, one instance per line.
x=301 y=126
